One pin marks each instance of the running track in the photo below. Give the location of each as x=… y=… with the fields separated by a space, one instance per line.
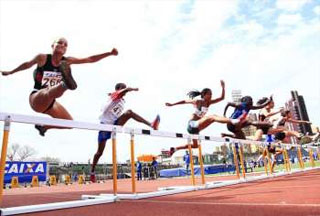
x=296 y=194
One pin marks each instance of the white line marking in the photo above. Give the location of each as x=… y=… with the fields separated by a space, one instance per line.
x=228 y=204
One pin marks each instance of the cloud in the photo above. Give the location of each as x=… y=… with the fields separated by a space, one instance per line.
x=286 y=19
x=291 y=5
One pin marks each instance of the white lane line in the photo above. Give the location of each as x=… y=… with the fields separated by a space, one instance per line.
x=230 y=204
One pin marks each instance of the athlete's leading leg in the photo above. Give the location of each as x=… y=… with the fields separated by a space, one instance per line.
x=129 y=114
x=207 y=120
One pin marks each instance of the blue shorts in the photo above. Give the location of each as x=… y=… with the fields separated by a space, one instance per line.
x=105 y=135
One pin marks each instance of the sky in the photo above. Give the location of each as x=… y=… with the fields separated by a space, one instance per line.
x=166 y=48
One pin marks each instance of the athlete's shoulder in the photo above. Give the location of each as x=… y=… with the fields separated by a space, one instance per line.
x=116 y=95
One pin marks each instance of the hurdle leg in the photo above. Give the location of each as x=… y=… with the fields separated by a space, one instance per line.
x=201 y=163
x=235 y=158
x=269 y=161
x=242 y=161
x=265 y=161
x=299 y=157
x=311 y=158
x=288 y=160
x=193 y=181
x=133 y=174
x=285 y=161
x=114 y=163
x=6 y=130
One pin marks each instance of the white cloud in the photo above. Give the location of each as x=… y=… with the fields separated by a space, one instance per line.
x=291 y=5
x=317 y=10
x=288 y=19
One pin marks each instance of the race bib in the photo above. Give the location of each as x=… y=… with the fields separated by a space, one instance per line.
x=117 y=110
x=51 y=79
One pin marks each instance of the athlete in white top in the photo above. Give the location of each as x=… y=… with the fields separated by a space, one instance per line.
x=112 y=113
x=199 y=120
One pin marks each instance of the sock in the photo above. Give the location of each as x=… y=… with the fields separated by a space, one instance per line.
x=235 y=121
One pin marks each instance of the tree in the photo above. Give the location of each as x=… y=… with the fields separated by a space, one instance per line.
x=25 y=152
x=12 y=151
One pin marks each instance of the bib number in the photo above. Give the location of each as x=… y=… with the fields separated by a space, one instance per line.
x=51 y=79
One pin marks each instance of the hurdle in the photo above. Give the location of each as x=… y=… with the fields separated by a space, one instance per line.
x=109 y=198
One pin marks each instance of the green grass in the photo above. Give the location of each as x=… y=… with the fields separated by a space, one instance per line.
x=281 y=167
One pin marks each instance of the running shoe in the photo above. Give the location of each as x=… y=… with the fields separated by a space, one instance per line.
x=67 y=76
x=42 y=130
x=93 y=177
x=155 y=123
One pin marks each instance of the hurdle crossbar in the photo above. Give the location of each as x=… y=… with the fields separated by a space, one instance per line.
x=26 y=119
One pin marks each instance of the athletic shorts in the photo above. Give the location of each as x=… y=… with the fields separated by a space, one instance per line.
x=280 y=136
x=105 y=135
x=193 y=127
x=264 y=129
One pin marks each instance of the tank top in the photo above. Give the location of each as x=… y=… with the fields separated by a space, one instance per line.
x=240 y=111
x=47 y=75
x=201 y=111
x=113 y=109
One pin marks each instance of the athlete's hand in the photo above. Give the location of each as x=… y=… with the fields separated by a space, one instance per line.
x=168 y=104
x=132 y=89
x=6 y=73
x=222 y=83
x=114 y=52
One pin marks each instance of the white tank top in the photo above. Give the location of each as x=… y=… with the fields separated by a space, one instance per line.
x=112 y=110
x=201 y=112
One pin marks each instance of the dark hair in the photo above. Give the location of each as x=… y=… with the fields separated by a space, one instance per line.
x=246 y=99
x=285 y=112
x=120 y=86
x=195 y=93
x=263 y=100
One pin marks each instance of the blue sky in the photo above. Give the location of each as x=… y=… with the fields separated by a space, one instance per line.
x=166 y=48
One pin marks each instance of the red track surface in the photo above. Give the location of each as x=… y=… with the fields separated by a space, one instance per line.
x=296 y=194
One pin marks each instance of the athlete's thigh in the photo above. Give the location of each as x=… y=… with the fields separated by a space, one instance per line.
x=58 y=111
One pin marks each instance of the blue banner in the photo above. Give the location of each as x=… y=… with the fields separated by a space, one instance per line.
x=25 y=170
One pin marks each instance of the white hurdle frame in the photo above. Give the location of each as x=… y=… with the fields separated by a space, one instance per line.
x=8 y=118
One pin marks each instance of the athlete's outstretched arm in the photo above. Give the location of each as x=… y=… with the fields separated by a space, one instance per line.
x=91 y=59
x=273 y=113
x=227 y=106
x=25 y=65
x=298 y=121
x=182 y=102
x=221 y=98
x=124 y=91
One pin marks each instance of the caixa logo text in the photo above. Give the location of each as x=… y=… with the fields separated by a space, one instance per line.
x=25 y=167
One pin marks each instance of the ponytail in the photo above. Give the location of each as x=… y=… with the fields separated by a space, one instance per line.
x=193 y=94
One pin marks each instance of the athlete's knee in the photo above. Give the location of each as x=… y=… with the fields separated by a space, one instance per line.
x=129 y=112
x=195 y=145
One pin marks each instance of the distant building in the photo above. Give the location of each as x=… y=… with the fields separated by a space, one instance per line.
x=236 y=96
x=299 y=112
x=250 y=130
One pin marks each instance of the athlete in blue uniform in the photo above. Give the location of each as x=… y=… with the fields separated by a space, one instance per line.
x=241 y=112
x=52 y=78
